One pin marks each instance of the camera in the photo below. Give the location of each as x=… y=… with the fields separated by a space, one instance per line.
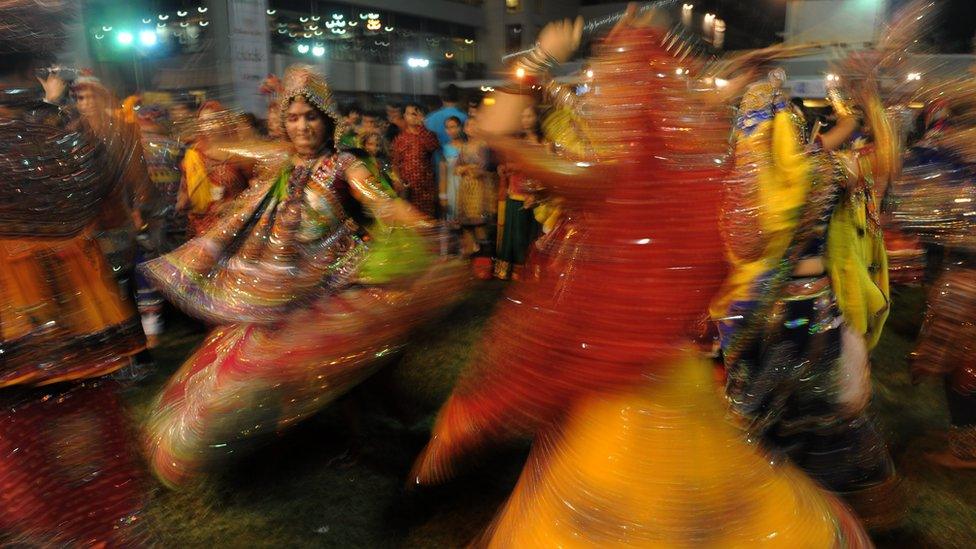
x=64 y=73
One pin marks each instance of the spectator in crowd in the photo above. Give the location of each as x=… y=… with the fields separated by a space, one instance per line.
x=211 y=177
x=517 y=226
x=377 y=160
x=477 y=192
x=435 y=120
x=351 y=117
x=436 y=123
x=473 y=106
x=413 y=153
x=395 y=121
x=449 y=180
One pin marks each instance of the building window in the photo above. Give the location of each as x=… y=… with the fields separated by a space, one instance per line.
x=513 y=38
x=513 y=6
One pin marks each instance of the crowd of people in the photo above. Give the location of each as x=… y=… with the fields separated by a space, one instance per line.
x=312 y=245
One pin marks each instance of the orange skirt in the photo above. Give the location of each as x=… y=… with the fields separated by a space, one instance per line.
x=61 y=313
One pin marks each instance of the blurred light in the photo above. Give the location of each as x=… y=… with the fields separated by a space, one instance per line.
x=184 y=24
x=335 y=16
x=815 y=103
x=418 y=62
x=721 y=82
x=202 y=9
x=353 y=23
x=272 y=12
x=589 y=73
x=107 y=29
x=719 y=40
x=181 y=13
x=163 y=17
x=388 y=29
x=318 y=33
x=309 y=35
x=363 y=16
x=318 y=50
x=687 y=7
x=468 y=41
x=679 y=71
x=707 y=23
x=520 y=73
x=204 y=23
x=147 y=38
x=303 y=19
x=831 y=77
x=124 y=38
x=303 y=48
x=449 y=55
x=313 y=27
x=914 y=76
x=686 y=14
x=147 y=20
x=489 y=101
x=99 y=36
x=916 y=105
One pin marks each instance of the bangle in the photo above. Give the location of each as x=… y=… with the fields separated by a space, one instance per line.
x=537 y=62
x=839 y=102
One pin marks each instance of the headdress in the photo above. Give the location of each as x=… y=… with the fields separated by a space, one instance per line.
x=761 y=101
x=307 y=82
x=32 y=26
x=271 y=86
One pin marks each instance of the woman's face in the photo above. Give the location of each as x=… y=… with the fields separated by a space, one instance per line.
x=305 y=127
x=372 y=145
x=88 y=102
x=529 y=120
x=453 y=129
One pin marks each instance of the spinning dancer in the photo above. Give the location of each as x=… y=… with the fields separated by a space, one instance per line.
x=594 y=355
x=309 y=301
x=934 y=200
x=69 y=474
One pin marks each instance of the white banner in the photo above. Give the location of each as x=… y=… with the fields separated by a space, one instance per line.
x=250 y=54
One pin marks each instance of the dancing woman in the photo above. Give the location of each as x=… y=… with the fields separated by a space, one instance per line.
x=309 y=301
x=933 y=200
x=807 y=295
x=69 y=472
x=593 y=356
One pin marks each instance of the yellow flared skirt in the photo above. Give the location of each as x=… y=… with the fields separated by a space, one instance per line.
x=62 y=316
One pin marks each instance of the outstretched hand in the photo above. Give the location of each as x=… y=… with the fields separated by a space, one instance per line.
x=54 y=87
x=560 y=39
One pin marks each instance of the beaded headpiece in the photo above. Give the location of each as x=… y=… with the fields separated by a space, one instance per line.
x=760 y=103
x=307 y=82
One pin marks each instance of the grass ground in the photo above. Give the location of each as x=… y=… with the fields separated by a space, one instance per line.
x=301 y=490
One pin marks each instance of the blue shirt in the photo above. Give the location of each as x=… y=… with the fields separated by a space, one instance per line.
x=435 y=122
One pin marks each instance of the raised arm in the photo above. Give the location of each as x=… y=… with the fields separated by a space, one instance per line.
x=388 y=209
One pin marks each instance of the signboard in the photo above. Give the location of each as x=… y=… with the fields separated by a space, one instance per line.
x=250 y=52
